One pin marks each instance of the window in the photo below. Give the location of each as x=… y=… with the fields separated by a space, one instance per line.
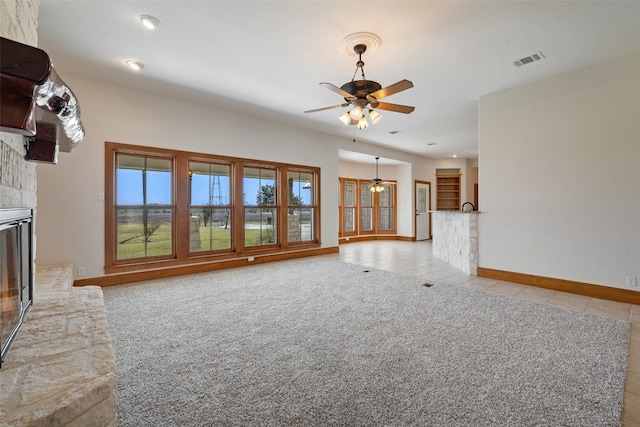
x=301 y=206
x=210 y=206
x=171 y=208
x=260 y=210
x=349 y=207
x=144 y=208
x=366 y=208
x=386 y=208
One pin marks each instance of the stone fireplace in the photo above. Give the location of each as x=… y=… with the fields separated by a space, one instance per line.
x=60 y=369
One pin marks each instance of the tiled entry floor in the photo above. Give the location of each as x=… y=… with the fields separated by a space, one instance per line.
x=416 y=259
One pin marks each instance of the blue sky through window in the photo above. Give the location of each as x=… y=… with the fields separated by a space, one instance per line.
x=129 y=189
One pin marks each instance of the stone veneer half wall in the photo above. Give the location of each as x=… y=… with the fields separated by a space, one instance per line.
x=455 y=239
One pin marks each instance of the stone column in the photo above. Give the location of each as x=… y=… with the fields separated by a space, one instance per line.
x=455 y=239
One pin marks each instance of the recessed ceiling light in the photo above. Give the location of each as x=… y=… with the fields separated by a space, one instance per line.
x=430 y=144
x=454 y=156
x=149 y=22
x=393 y=132
x=134 y=65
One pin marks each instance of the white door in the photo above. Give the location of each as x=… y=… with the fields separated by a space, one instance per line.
x=423 y=217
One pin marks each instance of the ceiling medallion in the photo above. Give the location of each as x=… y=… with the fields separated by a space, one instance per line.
x=370 y=40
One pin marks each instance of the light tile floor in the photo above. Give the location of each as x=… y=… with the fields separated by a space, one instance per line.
x=416 y=259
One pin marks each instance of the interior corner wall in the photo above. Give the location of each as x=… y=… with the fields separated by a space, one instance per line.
x=17 y=176
x=72 y=221
x=559 y=176
x=406 y=205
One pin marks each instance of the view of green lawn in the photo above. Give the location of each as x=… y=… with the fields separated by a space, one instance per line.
x=131 y=239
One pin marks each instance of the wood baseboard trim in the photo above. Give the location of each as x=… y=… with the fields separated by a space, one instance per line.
x=580 y=288
x=161 y=273
x=368 y=238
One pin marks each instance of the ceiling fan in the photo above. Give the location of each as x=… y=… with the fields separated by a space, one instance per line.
x=377 y=185
x=364 y=96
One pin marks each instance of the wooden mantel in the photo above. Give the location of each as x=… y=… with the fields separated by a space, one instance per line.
x=36 y=102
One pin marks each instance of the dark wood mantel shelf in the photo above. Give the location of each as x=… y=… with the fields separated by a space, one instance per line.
x=36 y=102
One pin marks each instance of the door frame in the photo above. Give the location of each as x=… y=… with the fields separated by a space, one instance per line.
x=415 y=205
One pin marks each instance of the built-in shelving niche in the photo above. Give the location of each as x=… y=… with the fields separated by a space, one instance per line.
x=448 y=189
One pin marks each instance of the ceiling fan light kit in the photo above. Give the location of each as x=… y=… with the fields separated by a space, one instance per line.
x=362 y=123
x=374 y=116
x=356 y=113
x=364 y=95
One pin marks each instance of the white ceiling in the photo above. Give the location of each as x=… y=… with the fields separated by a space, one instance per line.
x=266 y=57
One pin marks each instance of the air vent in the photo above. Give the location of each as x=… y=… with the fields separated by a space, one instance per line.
x=529 y=59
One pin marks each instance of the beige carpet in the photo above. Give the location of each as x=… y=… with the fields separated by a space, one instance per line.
x=319 y=342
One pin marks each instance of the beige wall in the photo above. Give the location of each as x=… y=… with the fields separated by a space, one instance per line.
x=71 y=224
x=559 y=175
x=412 y=168
x=18 y=22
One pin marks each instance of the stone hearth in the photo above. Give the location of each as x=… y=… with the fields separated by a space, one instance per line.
x=61 y=368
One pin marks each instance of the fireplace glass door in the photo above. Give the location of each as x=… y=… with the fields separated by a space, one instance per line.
x=10 y=303
x=16 y=274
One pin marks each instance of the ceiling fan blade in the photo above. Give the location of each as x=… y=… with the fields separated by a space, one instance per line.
x=395 y=107
x=328 y=108
x=391 y=89
x=339 y=91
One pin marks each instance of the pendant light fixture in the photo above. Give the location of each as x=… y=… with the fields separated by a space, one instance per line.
x=376 y=183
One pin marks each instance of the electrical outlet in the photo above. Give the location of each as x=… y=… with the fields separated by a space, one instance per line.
x=251 y=258
x=80 y=271
x=632 y=281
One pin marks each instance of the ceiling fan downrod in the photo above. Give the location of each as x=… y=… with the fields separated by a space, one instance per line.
x=359 y=49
